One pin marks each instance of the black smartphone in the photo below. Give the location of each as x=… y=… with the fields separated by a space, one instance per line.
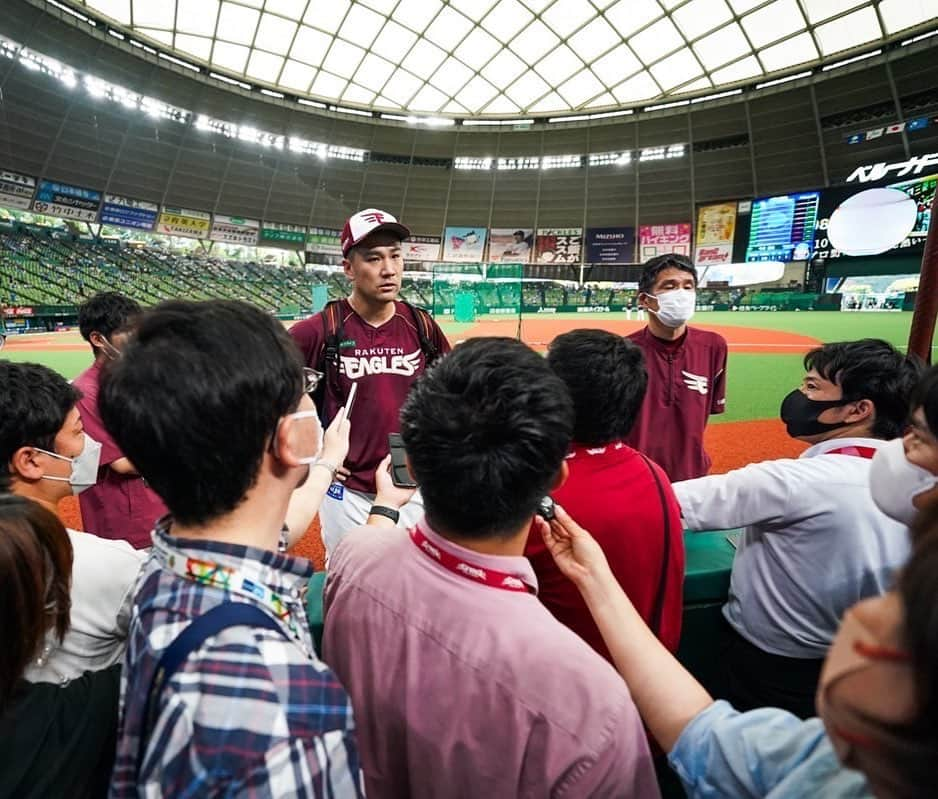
x=400 y=475
x=545 y=509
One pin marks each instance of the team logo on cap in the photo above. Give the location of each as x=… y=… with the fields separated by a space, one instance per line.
x=373 y=216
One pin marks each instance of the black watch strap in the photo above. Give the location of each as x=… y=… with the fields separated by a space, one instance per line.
x=381 y=510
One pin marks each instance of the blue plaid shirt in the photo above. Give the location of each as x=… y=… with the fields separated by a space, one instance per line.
x=250 y=713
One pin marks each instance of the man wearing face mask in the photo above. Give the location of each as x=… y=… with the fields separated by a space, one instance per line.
x=686 y=371
x=120 y=504
x=45 y=455
x=814 y=543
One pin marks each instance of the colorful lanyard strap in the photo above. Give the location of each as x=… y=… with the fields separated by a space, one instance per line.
x=207 y=572
x=859 y=452
x=468 y=570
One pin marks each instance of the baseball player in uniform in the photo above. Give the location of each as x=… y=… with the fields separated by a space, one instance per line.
x=378 y=342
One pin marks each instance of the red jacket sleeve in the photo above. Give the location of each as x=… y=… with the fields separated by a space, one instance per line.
x=718 y=394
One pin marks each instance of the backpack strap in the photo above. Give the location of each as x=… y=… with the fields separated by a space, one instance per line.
x=658 y=607
x=221 y=617
x=329 y=359
x=424 y=324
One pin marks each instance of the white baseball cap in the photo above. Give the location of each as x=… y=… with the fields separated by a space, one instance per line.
x=364 y=223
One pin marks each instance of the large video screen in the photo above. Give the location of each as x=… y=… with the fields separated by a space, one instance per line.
x=857 y=221
x=782 y=228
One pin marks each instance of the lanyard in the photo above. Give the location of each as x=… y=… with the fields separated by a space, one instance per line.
x=468 y=570
x=859 y=452
x=248 y=584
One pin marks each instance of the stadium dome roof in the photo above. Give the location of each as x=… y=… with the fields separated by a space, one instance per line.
x=510 y=58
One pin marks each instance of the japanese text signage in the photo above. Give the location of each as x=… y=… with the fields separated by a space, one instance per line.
x=275 y=234
x=422 y=248
x=16 y=190
x=324 y=241
x=68 y=202
x=183 y=222
x=660 y=239
x=559 y=245
x=234 y=230
x=125 y=212
x=911 y=168
x=716 y=227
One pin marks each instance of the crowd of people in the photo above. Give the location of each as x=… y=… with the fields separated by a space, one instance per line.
x=503 y=601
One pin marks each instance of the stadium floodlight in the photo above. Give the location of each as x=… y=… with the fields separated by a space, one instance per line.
x=306 y=147
x=610 y=159
x=347 y=153
x=522 y=162
x=561 y=161
x=472 y=163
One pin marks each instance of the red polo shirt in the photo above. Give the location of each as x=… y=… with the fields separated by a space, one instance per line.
x=686 y=383
x=612 y=492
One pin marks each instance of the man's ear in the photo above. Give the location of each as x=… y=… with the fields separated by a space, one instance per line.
x=282 y=444
x=862 y=411
x=562 y=474
x=24 y=465
x=645 y=299
x=347 y=268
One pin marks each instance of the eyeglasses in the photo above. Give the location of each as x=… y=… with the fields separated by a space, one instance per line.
x=311 y=379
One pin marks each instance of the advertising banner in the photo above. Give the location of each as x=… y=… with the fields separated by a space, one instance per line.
x=422 y=248
x=274 y=234
x=124 y=212
x=16 y=190
x=610 y=245
x=324 y=241
x=68 y=202
x=559 y=245
x=464 y=244
x=716 y=227
x=511 y=245
x=660 y=239
x=234 y=230
x=183 y=222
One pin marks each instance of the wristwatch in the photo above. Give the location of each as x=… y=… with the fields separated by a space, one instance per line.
x=388 y=513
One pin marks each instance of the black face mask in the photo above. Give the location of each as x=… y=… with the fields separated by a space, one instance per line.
x=799 y=413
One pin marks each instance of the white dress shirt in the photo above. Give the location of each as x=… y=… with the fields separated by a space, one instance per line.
x=814 y=543
x=104 y=573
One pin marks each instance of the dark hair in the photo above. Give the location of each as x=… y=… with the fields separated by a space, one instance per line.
x=518 y=233
x=195 y=399
x=870 y=369
x=35 y=576
x=34 y=401
x=655 y=266
x=106 y=313
x=925 y=396
x=486 y=431
x=606 y=376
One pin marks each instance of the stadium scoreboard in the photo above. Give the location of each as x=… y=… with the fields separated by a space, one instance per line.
x=782 y=228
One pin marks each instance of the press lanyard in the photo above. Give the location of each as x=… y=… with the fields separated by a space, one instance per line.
x=859 y=452
x=209 y=573
x=467 y=570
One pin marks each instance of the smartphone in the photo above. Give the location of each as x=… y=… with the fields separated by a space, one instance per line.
x=351 y=400
x=400 y=476
x=545 y=509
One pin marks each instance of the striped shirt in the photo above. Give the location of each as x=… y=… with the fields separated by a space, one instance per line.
x=250 y=712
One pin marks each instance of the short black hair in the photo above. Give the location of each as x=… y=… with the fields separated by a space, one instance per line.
x=486 y=431
x=655 y=266
x=195 y=400
x=870 y=369
x=606 y=376
x=107 y=312
x=34 y=401
x=925 y=396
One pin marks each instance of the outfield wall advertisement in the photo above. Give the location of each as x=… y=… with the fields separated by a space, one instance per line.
x=716 y=228
x=657 y=240
x=184 y=222
x=610 y=245
x=234 y=230
x=422 y=248
x=464 y=244
x=324 y=241
x=275 y=234
x=124 y=212
x=511 y=245
x=67 y=202
x=16 y=190
x=559 y=245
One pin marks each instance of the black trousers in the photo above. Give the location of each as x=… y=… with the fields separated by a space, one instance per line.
x=753 y=678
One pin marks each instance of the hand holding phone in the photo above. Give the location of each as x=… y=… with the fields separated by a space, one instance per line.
x=400 y=475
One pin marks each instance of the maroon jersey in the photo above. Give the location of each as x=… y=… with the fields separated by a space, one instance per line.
x=686 y=383
x=385 y=361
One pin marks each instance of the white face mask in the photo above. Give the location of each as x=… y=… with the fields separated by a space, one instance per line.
x=894 y=482
x=675 y=307
x=84 y=466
